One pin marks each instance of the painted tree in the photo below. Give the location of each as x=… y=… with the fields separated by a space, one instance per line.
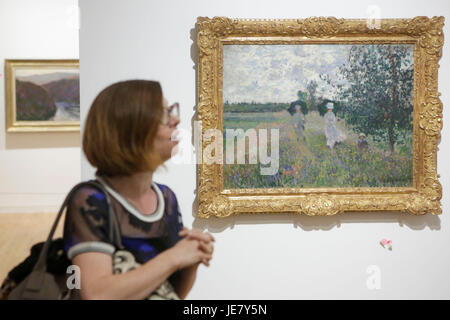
x=378 y=94
x=311 y=100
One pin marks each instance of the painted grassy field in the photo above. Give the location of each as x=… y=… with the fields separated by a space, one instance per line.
x=311 y=164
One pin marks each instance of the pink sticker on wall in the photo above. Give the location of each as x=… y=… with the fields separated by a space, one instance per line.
x=386 y=244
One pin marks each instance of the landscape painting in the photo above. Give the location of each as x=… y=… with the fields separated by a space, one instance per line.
x=318 y=116
x=344 y=113
x=43 y=95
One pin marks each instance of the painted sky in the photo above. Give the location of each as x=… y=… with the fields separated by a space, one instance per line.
x=42 y=76
x=274 y=73
x=31 y=72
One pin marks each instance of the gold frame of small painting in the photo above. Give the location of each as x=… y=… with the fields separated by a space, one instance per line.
x=42 y=95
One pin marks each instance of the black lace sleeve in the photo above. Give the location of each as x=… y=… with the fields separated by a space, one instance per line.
x=86 y=227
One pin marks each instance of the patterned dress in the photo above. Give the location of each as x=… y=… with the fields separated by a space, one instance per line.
x=144 y=236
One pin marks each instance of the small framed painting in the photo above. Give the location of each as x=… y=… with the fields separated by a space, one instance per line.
x=319 y=116
x=42 y=95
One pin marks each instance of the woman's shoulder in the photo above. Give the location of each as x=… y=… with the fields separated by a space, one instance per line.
x=165 y=189
x=86 y=192
x=168 y=194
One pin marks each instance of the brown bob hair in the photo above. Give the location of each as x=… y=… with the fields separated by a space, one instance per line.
x=121 y=126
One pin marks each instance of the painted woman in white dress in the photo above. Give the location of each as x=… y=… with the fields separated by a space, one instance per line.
x=331 y=132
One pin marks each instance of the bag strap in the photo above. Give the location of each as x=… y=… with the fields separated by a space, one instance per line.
x=114 y=229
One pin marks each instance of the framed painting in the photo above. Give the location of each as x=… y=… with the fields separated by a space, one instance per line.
x=42 y=95
x=318 y=116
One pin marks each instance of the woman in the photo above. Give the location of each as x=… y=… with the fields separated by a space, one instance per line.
x=127 y=135
x=331 y=132
x=298 y=121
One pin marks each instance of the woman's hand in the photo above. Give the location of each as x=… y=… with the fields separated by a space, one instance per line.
x=205 y=239
x=197 y=234
x=192 y=249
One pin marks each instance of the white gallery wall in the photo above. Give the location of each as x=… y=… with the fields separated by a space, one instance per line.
x=36 y=169
x=270 y=256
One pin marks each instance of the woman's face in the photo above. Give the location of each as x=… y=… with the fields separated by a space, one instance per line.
x=166 y=136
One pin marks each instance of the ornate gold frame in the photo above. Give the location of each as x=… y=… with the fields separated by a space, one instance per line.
x=424 y=197
x=12 y=125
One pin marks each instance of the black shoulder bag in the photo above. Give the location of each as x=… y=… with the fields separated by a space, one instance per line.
x=42 y=275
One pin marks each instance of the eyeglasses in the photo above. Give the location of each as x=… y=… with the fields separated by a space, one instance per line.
x=172 y=111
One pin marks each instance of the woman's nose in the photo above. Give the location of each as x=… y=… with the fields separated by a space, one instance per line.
x=174 y=121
